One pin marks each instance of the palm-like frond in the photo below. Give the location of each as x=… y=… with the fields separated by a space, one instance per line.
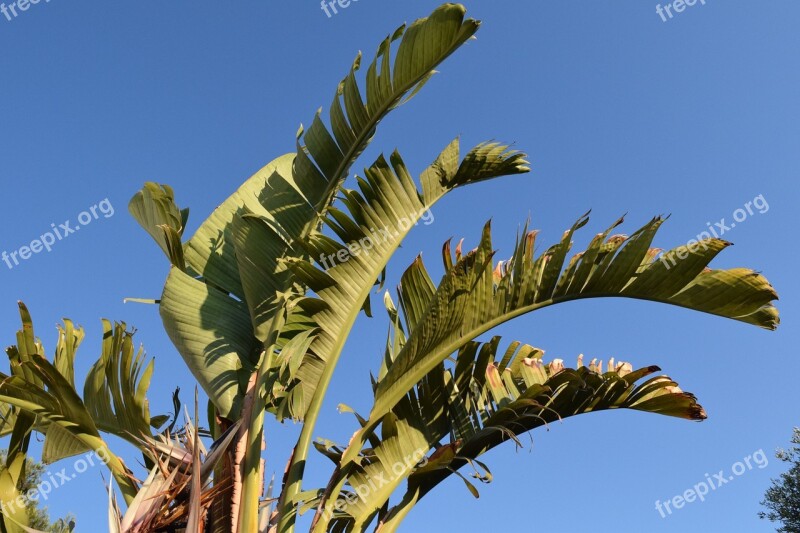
x=44 y=393
x=380 y=213
x=116 y=387
x=385 y=207
x=486 y=397
x=475 y=296
x=20 y=423
x=233 y=264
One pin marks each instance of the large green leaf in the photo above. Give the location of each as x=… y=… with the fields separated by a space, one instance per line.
x=41 y=396
x=327 y=156
x=320 y=165
x=528 y=395
x=212 y=333
x=474 y=296
x=380 y=213
x=210 y=253
x=60 y=405
x=485 y=398
x=239 y=249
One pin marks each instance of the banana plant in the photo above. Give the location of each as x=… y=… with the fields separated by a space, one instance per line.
x=260 y=309
x=261 y=300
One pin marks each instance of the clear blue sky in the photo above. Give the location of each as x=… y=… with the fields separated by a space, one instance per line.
x=619 y=111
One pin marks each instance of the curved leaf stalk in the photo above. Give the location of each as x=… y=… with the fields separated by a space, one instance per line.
x=486 y=398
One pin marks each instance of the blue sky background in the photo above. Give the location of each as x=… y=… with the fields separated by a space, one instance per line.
x=619 y=112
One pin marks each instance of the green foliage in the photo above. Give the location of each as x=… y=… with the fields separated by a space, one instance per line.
x=38 y=517
x=40 y=395
x=261 y=319
x=782 y=499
